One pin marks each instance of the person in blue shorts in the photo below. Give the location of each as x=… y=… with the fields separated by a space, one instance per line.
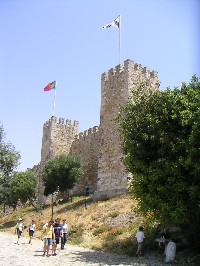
x=47 y=235
x=19 y=229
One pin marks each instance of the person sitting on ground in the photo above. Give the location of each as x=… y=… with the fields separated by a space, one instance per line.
x=19 y=229
x=139 y=237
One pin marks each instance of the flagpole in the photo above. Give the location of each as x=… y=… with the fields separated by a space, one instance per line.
x=120 y=38
x=54 y=100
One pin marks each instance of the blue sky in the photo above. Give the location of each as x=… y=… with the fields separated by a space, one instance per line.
x=63 y=40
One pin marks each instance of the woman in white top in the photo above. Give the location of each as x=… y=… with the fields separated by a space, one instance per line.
x=32 y=228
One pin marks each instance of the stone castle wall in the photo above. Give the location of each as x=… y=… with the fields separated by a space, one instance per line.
x=116 y=87
x=100 y=147
x=86 y=146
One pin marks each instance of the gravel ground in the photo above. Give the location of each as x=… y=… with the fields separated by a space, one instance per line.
x=26 y=254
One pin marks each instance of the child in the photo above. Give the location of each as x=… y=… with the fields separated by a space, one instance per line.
x=139 y=237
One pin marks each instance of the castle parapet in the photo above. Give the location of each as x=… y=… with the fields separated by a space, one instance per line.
x=119 y=68
x=68 y=122
x=153 y=74
x=61 y=120
x=85 y=133
x=89 y=133
x=146 y=72
x=80 y=135
x=53 y=119
x=128 y=67
x=95 y=129
x=76 y=123
x=68 y=125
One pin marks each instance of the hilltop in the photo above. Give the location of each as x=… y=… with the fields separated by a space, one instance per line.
x=108 y=225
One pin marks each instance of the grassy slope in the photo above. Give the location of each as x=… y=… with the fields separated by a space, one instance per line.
x=104 y=225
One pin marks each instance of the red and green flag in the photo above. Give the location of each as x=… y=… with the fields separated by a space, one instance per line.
x=50 y=86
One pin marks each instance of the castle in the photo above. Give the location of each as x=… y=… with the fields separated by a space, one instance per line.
x=99 y=148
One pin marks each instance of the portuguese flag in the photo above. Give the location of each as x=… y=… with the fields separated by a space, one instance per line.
x=50 y=86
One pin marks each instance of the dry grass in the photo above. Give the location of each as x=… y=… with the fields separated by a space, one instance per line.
x=104 y=225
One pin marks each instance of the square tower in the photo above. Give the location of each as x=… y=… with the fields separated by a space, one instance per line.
x=116 y=87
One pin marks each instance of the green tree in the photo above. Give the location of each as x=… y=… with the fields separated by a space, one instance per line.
x=162 y=151
x=9 y=160
x=61 y=172
x=9 y=157
x=22 y=187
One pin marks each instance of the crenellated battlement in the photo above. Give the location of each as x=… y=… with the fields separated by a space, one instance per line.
x=61 y=121
x=90 y=133
x=128 y=68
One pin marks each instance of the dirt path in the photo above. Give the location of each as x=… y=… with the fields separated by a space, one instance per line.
x=31 y=255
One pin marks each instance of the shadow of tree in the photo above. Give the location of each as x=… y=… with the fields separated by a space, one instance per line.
x=8 y=224
x=75 y=205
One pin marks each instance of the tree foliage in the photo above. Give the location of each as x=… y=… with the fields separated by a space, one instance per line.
x=22 y=187
x=162 y=151
x=61 y=172
x=9 y=160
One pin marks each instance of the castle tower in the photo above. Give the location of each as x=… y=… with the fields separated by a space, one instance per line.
x=116 y=86
x=57 y=137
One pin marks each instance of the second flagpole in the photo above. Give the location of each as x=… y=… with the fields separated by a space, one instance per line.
x=54 y=100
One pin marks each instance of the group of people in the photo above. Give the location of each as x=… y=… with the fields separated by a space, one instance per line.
x=53 y=234
x=20 y=227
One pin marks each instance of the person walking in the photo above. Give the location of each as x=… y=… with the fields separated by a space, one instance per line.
x=31 y=230
x=58 y=232
x=65 y=233
x=47 y=235
x=19 y=229
x=139 y=237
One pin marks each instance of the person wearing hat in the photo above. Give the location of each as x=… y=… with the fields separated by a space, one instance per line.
x=19 y=229
x=139 y=237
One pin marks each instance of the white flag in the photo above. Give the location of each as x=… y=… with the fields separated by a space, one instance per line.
x=114 y=23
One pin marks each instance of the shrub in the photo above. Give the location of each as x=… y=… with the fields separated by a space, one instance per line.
x=76 y=234
x=100 y=230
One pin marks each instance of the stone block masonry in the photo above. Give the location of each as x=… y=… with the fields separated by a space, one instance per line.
x=116 y=87
x=86 y=147
x=99 y=148
x=57 y=137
